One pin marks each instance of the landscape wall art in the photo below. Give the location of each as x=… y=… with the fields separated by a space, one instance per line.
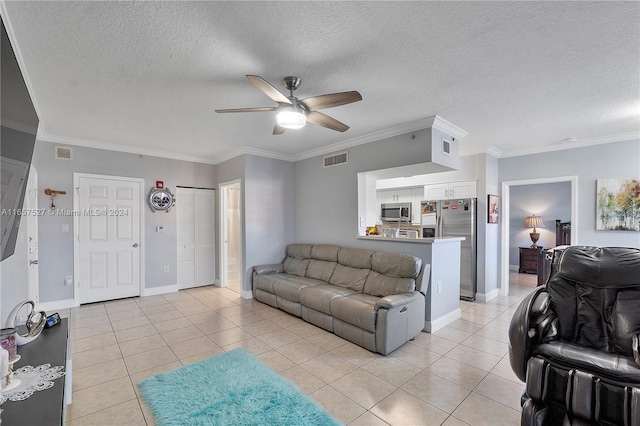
x=618 y=204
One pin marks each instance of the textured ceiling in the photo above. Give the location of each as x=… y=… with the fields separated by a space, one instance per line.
x=518 y=76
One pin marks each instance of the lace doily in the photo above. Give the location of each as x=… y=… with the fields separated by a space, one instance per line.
x=32 y=379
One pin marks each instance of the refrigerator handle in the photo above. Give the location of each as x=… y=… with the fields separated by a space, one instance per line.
x=439 y=226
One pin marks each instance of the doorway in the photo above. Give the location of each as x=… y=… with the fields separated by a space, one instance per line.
x=504 y=229
x=108 y=237
x=231 y=225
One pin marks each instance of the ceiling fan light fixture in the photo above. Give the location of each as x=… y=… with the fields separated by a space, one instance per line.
x=291 y=118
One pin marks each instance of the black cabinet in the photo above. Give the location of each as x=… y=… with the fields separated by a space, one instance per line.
x=43 y=407
x=531 y=260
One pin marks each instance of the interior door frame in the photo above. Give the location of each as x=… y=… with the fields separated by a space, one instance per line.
x=222 y=189
x=76 y=227
x=504 y=227
x=31 y=203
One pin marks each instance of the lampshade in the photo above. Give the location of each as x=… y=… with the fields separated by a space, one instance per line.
x=291 y=118
x=533 y=222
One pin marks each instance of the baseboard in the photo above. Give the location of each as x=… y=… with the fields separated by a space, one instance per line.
x=56 y=305
x=485 y=297
x=246 y=294
x=513 y=267
x=443 y=321
x=216 y=282
x=153 y=291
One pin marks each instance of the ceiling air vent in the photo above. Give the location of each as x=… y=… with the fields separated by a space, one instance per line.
x=335 y=160
x=63 y=153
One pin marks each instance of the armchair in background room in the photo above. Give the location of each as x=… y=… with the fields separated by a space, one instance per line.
x=574 y=341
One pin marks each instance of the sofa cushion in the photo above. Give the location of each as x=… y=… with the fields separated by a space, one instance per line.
x=327 y=252
x=296 y=266
x=346 y=276
x=382 y=285
x=396 y=265
x=356 y=309
x=289 y=287
x=319 y=297
x=267 y=282
x=320 y=269
x=355 y=258
x=299 y=251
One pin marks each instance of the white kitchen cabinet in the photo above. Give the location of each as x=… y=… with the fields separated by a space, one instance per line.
x=394 y=195
x=450 y=190
x=417 y=195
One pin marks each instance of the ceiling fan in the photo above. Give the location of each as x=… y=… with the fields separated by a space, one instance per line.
x=293 y=113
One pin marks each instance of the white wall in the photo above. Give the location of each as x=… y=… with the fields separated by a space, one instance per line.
x=56 y=247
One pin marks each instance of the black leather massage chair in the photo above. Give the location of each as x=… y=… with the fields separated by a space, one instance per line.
x=574 y=341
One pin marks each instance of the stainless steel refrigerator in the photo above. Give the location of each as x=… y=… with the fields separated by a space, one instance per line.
x=455 y=218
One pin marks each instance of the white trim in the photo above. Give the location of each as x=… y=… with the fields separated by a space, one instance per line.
x=448 y=128
x=513 y=267
x=246 y=294
x=485 y=297
x=580 y=143
x=443 y=321
x=504 y=227
x=76 y=228
x=154 y=291
x=56 y=305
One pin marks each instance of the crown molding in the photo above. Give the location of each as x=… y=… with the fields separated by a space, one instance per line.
x=20 y=127
x=252 y=151
x=412 y=126
x=42 y=135
x=580 y=143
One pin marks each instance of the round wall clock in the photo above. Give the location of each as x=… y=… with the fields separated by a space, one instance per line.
x=161 y=199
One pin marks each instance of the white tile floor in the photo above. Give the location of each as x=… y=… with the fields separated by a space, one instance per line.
x=457 y=376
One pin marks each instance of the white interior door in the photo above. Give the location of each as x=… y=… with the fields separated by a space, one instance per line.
x=196 y=237
x=109 y=238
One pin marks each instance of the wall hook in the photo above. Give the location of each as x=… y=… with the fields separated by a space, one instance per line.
x=52 y=193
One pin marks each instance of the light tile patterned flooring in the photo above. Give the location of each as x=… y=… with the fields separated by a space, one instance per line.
x=457 y=376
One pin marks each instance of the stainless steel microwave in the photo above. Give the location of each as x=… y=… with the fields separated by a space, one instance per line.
x=395 y=212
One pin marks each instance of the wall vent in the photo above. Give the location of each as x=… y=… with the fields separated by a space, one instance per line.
x=335 y=160
x=63 y=153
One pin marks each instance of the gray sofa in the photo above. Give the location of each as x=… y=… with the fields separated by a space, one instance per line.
x=374 y=300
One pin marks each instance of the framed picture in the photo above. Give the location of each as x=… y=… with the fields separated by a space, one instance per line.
x=618 y=204
x=493 y=208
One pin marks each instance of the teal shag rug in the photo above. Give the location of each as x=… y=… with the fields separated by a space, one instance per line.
x=232 y=388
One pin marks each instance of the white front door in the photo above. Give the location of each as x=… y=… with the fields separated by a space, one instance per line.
x=196 y=237
x=108 y=237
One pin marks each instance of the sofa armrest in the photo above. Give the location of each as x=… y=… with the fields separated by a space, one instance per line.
x=397 y=300
x=266 y=269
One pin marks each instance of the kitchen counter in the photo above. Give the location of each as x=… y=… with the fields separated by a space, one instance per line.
x=410 y=240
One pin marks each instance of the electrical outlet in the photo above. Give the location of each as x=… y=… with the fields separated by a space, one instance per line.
x=166 y=269
x=68 y=280
x=439 y=287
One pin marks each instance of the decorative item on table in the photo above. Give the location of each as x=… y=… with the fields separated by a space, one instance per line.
x=7 y=382
x=534 y=222
x=8 y=341
x=35 y=323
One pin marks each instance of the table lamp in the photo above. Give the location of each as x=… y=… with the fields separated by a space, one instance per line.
x=534 y=222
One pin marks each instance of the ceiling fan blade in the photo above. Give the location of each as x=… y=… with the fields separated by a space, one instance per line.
x=331 y=100
x=268 y=89
x=325 y=121
x=258 y=109
x=278 y=129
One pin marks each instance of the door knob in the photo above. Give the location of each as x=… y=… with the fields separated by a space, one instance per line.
x=135 y=244
x=33 y=262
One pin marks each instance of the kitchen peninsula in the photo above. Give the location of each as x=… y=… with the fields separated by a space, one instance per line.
x=442 y=305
